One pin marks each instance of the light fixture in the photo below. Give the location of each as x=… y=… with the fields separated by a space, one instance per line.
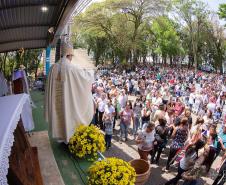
x=44 y=8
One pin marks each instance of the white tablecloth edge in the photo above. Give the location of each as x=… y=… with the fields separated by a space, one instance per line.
x=4 y=162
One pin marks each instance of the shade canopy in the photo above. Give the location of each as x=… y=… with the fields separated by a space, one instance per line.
x=32 y=23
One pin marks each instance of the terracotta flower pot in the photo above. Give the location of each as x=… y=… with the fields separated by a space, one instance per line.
x=142 y=169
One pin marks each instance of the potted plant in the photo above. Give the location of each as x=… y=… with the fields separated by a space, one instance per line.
x=87 y=141
x=142 y=169
x=111 y=171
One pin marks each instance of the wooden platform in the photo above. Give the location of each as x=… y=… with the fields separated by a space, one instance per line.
x=23 y=162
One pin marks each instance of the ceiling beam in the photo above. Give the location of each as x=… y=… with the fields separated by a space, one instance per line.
x=26 y=26
x=16 y=49
x=64 y=18
x=24 y=40
x=62 y=13
x=27 y=6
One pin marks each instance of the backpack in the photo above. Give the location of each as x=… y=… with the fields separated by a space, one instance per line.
x=160 y=138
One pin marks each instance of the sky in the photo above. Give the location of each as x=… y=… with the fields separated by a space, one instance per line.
x=214 y=4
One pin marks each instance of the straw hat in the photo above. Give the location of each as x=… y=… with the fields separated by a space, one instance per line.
x=67 y=49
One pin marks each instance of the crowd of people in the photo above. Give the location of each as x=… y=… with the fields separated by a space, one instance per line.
x=175 y=107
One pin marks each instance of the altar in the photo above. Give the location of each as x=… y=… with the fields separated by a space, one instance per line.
x=19 y=163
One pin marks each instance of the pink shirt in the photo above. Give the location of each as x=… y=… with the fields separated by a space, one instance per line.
x=126 y=116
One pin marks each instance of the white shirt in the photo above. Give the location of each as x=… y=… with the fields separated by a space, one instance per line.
x=188 y=162
x=191 y=98
x=211 y=107
x=122 y=100
x=198 y=100
x=224 y=108
x=165 y=96
x=148 y=140
x=109 y=110
x=158 y=101
x=101 y=105
x=153 y=99
x=177 y=87
x=169 y=120
x=135 y=83
x=207 y=122
x=205 y=99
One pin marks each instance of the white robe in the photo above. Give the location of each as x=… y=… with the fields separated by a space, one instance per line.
x=68 y=99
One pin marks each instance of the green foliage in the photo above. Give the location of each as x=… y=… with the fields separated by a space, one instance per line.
x=167 y=39
x=193 y=14
x=222 y=11
x=12 y=60
x=120 y=23
x=130 y=30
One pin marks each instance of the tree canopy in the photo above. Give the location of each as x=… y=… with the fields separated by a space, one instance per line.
x=222 y=11
x=131 y=31
x=10 y=61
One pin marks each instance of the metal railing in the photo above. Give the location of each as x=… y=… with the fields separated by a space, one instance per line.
x=81 y=5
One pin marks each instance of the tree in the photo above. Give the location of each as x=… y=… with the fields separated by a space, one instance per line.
x=129 y=30
x=140 y=13
x=3 y=57
x=167 y=39
x=222 y=11
x=217 y=44
x=194 y=15
x=12 y=60
x=122 y=23
x=32 y=60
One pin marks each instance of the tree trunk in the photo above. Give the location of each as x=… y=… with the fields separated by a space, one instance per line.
x=36 y=68
x=1 y=62
x=97 y=58
x=135 y=56
x=144 y=58
x=4 y=63
x=113 y=58
x=194 y=50
x=171 y=61
x=12 y=64
x=153 y=58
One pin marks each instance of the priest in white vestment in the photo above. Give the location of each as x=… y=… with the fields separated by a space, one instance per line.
x=68 y=97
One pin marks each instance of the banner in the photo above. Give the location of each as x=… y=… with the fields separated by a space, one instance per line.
x=48 y=51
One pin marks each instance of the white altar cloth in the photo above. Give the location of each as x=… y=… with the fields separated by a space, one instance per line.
x=11 y=108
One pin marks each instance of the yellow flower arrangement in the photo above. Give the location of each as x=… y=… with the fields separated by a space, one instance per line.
x=111 y=171
x=87 y=141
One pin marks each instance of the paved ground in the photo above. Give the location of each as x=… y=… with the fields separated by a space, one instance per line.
x=128 y=151
x=82 y=59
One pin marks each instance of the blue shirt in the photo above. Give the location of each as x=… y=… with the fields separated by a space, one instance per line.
x=217 y=115
x=222 y=135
